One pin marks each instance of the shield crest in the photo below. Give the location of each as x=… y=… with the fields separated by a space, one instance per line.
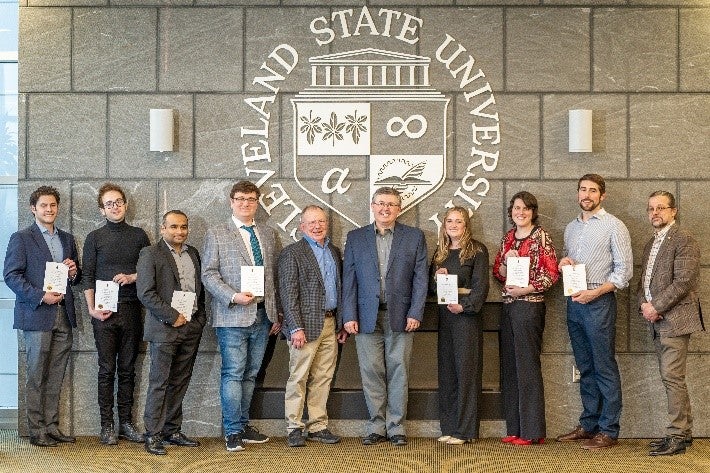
x=370 y=115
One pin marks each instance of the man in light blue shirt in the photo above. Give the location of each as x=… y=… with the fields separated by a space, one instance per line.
x=602 y=243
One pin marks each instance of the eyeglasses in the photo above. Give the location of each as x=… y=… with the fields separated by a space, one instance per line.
x=657 y=209
x=114 y=203
x=313 y=223
x=249 y=200
x=386 y=204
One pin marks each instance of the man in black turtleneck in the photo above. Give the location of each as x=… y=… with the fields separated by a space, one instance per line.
x=110 y=254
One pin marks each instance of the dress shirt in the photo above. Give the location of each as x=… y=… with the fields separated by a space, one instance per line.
x=246 y=236
x=603 y=244
x=384 y=245
x=657 y=241
x=53 y=242
x=186 y=270
x=328 y=270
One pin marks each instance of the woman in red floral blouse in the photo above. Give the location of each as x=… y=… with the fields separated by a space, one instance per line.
x=523 y=321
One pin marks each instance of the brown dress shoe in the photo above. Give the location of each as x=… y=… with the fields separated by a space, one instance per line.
x=577 y=434
x=599 y=441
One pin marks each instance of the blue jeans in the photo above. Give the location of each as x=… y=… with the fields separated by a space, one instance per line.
x=592 y=331
x=242 y=349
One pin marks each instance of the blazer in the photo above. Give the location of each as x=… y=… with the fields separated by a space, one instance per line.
x=673 y=285
x=158 y=278
x=224 y=254
x=25 y=263
x=406 y=279
x=302 y=289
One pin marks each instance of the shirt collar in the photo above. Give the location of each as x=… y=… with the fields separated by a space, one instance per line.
x=662 y=233
x=44 y=229
x=387 y=230
x=239 y=223
x=183 y=248
x=599 y=214
x=312 y=242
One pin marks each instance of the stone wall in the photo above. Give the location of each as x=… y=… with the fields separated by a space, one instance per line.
x=90 y=70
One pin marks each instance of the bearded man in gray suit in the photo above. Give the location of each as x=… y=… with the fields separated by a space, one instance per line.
x=242 y=320
x=668 y=300
x=309 y=283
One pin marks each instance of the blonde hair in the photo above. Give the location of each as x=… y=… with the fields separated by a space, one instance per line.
x=469 y=246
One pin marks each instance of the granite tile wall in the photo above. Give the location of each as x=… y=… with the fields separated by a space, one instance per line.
x=90 y=70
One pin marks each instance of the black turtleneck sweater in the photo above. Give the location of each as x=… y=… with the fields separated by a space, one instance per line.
x=110 y=250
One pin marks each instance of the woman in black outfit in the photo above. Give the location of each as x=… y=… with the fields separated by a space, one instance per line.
x=460 y=342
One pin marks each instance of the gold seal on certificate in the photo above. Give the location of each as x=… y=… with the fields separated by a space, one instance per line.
x=55 y=277
x=574 y=278
x=447 y=288
x=253 y=280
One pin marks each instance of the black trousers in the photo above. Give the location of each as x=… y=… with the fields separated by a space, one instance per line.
x=521 y=327
x=171 y=366
x=117 y=342
x=460 y=351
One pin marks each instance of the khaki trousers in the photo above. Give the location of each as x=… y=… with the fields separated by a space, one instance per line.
x=672 y=354
x=311 y=371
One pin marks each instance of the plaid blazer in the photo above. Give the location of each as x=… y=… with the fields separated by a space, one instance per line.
x=222 y=258
x=303 y=291
x=674 y=282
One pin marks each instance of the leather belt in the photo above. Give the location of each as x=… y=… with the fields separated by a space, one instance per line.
x=382 y=307
x=329 y=313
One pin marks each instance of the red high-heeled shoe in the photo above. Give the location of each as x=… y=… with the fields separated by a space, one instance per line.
x=520 y=441
x=509 y=438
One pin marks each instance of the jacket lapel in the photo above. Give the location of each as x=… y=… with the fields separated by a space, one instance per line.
x=371 y=244
x=239 y=242
x=664 y=249
x=171 y=261
x=312 y=260
x=41 y=244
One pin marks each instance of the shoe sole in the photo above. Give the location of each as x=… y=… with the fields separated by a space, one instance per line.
x=235 y=449
x=108 y=443
x=329 y=442
x=255 y=441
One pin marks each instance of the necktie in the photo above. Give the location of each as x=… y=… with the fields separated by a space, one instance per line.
x=255 y=248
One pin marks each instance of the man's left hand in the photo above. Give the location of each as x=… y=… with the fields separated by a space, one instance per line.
x=586 y=296
x=72 y=267
x=650 y=313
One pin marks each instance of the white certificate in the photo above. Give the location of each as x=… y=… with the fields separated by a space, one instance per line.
x=518 y=271
x=447 y=289
x=184 y=302
x=253 y=280
x=574 y=278
x=55 y=278
x=106 y=296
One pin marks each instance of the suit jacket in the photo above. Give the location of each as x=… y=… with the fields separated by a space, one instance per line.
x=302 y=289
x=406 y=279
x=674 y=282
x=224 y=254
x=27 y=254
x=158 y=278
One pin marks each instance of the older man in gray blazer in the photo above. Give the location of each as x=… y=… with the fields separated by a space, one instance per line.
x=668 y=300
x=309 y=284
x=243 y=320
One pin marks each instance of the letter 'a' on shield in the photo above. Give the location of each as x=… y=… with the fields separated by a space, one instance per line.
x=373 y=113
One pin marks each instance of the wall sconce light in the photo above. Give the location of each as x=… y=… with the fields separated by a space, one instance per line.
x=161 y=129
x=580 y=131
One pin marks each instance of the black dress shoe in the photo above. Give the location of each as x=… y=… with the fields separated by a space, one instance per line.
x=398 y=440
x=128 y=431
x=60 y=437
x=178 y=438
x=674 y=446
x=656 y=444
x=42 y=440
x=373 y=439
x=154 y=445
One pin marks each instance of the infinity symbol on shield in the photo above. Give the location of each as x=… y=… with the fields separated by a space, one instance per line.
x=404 y=126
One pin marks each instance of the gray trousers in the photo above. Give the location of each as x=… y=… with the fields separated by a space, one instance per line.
x=384 y=358
x=672 y=355
x=47 y=359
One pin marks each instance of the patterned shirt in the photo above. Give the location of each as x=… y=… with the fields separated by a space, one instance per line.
x=186 y=270
x=603 y=244
x=384 y=246
x=543 y=262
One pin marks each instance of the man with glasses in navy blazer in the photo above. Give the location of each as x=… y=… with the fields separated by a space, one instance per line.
x=385 y=277
x=46 y=318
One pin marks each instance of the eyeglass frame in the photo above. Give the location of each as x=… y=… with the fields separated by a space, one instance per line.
x=386 y=204
x=109 y=204
x=651 y=210
x=240 y=200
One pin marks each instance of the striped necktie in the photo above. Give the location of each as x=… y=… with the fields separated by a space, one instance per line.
x=255 y=248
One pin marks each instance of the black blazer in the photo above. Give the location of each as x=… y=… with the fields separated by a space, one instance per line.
x=158 y=278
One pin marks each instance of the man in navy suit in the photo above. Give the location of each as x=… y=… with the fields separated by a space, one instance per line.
x=46 y=318
x=384 y=290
